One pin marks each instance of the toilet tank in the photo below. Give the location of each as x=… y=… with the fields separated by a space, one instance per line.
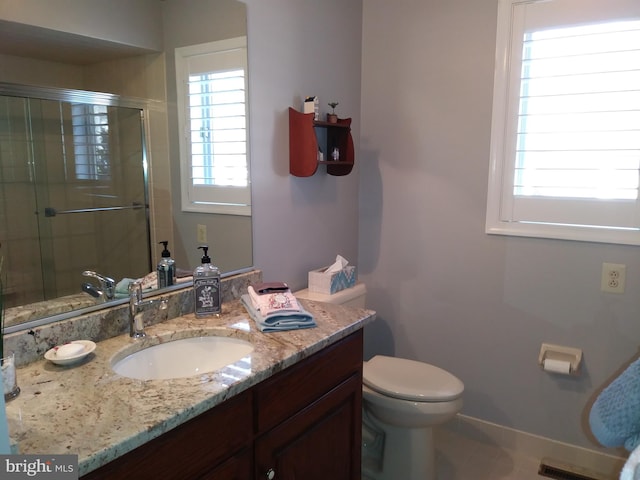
x=352 y=297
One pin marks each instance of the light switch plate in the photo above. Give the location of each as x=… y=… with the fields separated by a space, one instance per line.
x=202 y=234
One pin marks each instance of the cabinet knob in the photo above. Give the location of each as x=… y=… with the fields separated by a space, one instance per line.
x=271 y=474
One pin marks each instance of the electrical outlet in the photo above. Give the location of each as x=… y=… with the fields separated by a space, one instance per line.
x=613 y=277
x=202 y=234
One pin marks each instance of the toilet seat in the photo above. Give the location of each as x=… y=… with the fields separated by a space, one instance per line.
x=410 y=380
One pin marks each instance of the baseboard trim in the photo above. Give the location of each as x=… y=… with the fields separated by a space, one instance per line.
x=607 y=465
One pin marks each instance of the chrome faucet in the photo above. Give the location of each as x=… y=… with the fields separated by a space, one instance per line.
x=136 y=305
x=107 y=290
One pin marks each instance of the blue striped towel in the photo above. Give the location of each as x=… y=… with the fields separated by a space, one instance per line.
x=278 y=321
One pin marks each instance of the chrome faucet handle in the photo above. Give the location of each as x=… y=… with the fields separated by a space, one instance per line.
x=136 y=323
x=91 y=289
x=135 y=290
x=107 y=284
x=137 y=304
x=109 y=288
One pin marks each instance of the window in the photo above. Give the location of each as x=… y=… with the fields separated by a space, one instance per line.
x=91 y=141
x=565 y=141
x=212 y=112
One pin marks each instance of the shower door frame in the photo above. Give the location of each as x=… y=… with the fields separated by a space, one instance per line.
x=95 y=98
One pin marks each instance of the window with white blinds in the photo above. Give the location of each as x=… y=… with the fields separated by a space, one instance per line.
x=212 y=106
x=90 y=125
x=565 y=145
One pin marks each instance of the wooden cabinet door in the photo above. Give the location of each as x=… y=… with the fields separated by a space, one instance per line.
x=320 y=442
x=238 y=467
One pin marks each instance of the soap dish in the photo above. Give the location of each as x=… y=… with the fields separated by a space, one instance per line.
x=88 y=345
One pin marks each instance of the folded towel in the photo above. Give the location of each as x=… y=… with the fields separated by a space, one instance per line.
x=278 y=321
x=149 y=281
x=122 y=287
x=615 y=415
x=269 y=303
x=631 y=469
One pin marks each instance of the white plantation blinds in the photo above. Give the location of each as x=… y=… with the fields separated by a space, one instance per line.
x=566 y=126
x=579 y=116
x=212 y=106
x=218 y=128
x=90 y=135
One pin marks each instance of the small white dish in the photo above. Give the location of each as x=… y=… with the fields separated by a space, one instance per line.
x=89 y=347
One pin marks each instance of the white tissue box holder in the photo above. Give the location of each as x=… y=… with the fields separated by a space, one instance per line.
x=329 y=283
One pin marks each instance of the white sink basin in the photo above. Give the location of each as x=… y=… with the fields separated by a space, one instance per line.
x=183 y=358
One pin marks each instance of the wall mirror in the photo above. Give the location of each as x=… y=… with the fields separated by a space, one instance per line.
x=74 y=183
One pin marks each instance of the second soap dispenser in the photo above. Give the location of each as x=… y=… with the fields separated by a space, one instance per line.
x=166 y=268
x=206 y=287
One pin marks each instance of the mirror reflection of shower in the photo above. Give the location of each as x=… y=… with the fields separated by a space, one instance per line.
x=74 y=197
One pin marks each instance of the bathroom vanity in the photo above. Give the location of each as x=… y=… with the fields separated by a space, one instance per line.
x=293 y=404
x=306 y=416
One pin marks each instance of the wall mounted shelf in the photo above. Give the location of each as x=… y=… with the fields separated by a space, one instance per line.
x=307 y=137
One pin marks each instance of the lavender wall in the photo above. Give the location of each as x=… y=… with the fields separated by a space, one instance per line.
x=446 y=292
x=299 y=48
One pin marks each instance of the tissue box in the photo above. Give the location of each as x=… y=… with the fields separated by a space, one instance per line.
x=330 y=283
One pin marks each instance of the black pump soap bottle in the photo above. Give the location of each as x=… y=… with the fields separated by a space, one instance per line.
x=206 y=287
x=166 y=268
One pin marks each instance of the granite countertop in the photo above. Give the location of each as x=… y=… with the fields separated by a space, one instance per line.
x=89 y=410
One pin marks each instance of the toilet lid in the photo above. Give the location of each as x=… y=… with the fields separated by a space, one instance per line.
x=410 y=380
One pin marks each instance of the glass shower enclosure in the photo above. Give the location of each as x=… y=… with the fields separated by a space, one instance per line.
x=73 y=195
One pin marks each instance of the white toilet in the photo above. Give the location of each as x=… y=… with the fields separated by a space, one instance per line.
x=402 y=401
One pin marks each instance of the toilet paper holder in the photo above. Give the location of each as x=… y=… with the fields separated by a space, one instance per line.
x=560 y=353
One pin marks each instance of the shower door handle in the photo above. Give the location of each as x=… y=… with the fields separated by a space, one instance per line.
x=52 y=212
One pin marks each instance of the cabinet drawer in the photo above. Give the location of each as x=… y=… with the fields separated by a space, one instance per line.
x=190 y=449
x=281 y=396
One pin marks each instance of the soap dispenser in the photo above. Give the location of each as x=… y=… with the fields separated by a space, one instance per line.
x=166 y=268
x=206 y=287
